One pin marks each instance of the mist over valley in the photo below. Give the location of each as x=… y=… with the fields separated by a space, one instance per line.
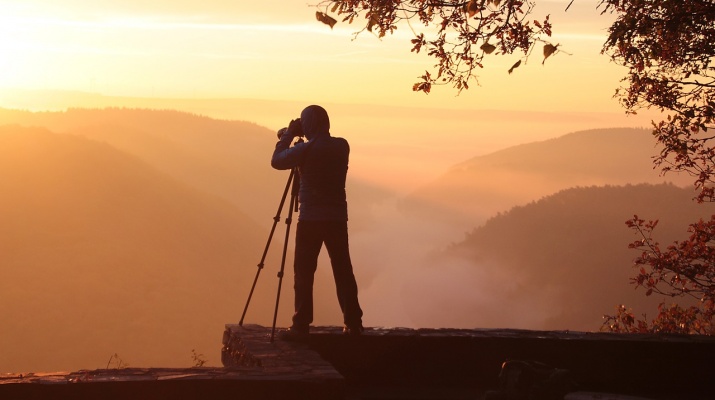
x=137 y=232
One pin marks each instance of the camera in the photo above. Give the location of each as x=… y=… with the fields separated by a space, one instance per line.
x=294 y=129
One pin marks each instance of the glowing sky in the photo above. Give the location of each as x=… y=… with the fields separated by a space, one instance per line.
x=277 y=50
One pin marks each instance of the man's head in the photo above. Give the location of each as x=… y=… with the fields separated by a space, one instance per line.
x=314 y=120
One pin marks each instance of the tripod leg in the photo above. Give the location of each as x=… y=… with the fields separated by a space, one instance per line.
x=289 y=219
x=268 y=243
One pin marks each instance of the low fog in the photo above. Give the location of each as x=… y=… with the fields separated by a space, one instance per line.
x=139 y=232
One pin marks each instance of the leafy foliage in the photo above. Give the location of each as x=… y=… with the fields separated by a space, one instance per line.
x=461 y=33
x=198 y=359
x=116 y=362
x=668 y=48
x=683 y=269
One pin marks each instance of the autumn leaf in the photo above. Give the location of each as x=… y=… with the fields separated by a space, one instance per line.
x=549 y=49
x=425 y=85
x=325 y=18
x=418 y=42
x=487 y=48
x=516 y=65
x=422 y=87
x=471 y=8
x=374 y=20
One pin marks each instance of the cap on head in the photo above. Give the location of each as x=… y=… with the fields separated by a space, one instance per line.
x=314 y=120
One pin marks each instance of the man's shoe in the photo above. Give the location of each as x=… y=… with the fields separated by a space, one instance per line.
x=293 y=333
x=353 y=330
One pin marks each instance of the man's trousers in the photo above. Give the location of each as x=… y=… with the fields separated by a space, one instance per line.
x=310 y=236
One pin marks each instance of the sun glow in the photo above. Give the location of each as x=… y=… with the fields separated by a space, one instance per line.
x=228 y=49
x=150 y=55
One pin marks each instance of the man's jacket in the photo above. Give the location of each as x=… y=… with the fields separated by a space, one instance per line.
x=322 y=165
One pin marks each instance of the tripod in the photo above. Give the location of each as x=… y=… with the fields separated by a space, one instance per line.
x=289 y=219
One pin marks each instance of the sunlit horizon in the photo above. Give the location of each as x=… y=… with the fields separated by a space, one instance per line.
x=231 y=50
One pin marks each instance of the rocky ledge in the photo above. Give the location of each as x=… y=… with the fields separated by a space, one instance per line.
x=399 y=363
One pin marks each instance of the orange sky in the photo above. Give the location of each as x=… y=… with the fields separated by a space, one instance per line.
x=278 y=51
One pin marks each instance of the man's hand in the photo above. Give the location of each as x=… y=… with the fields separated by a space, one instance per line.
x=295 y=128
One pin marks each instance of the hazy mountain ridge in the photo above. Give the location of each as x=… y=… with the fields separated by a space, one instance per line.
x=562 y=261
x=103 y=254
x=214 y=156
x=137 y=204
x=480 y=187
x=229 y=159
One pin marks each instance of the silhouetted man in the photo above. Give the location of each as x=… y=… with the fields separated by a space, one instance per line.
x=322 y=164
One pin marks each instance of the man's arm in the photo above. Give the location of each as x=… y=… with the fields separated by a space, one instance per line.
x=284 y=156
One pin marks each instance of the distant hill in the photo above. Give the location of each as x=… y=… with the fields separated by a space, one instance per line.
x=557 y=263
x=218 y=157
x=229 y=159
x=101 y=253
x=472 y=191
